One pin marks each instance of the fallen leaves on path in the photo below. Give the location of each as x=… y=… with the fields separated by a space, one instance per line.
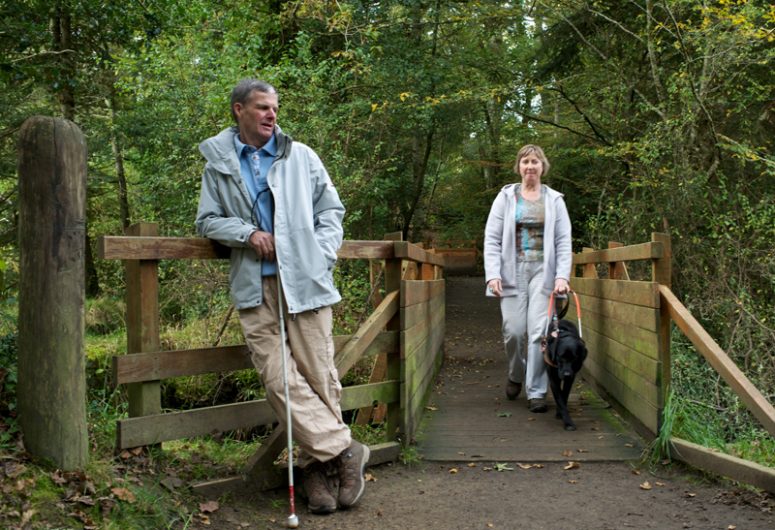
x=209 y=506
x=646 y=485
x=123 y=494
x=572 y=465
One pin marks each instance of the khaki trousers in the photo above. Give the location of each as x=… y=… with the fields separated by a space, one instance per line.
x=313 y=382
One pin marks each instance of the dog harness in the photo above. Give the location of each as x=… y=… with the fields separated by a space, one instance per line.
x=553 y=318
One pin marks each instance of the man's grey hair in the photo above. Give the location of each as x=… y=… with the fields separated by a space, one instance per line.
x=244 y=88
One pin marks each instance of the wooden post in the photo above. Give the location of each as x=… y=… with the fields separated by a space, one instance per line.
x=142 y=321
x=52 y=218
x=379 y=369
x=617 y=270
x=661 y=272
x=394 y=427
x=589 y=270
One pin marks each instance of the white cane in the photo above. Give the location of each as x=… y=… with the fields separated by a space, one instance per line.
x=293 y=520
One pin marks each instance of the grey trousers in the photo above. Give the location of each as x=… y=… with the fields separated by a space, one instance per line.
x=524 y=320
x=313 y=382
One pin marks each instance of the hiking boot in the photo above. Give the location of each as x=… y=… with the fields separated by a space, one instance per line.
x=351 y=463
x=512 y=390
x=319 y=488
x=537 y=405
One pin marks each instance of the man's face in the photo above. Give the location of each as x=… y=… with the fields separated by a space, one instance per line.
x=256 y=118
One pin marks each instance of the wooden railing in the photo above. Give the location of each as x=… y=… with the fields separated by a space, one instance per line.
x=627 y=328
x=462 y=255
x=404 y=332
x=627 y=334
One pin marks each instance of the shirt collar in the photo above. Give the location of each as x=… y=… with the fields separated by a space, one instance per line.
x=270 y=147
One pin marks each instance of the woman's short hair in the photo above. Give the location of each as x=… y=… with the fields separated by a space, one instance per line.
x=531 y=149
x=241 y=92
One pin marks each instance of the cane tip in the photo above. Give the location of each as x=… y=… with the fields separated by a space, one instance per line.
x=293 y=521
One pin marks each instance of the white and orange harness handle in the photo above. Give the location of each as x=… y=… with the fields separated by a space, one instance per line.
x=551 y=311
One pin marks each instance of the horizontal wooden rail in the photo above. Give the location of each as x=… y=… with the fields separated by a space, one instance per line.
x=354 y=249
x=152 y=366
x=406 y=250
x=651 y=250
x=721 y=464
x=153 y=429
x=638 y=293
x=720 y=361
x=156 y=248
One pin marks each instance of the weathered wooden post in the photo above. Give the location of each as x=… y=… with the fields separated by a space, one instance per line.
x=142 y=322
x=52 y=213
x=394 y=424
x=662 y=273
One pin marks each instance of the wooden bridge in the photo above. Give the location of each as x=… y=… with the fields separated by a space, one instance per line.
x=625 y=296
x=626 y=324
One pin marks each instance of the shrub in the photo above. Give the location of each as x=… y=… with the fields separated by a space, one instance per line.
x=105 y=315
x=8 y=376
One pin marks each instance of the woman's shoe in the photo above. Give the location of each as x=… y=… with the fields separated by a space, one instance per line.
x=537 y=405
x=512 y=390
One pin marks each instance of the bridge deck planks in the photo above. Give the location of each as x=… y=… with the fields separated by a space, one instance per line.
x=470 y=419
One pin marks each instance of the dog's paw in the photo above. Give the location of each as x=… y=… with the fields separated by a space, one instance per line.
x=570 y=427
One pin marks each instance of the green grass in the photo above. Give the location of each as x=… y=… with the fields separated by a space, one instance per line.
x=702 y=409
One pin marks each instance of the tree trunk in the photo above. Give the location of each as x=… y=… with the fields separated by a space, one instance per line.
x=52 y=212
x=62 y=36
x=118 y=155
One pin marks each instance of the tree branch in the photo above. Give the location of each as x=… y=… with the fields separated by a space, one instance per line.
x=589 y=122
x=50 y=52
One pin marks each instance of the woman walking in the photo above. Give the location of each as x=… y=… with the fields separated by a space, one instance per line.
x=527 y=256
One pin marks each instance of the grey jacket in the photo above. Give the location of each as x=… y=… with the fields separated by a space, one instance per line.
x=500 y=251
x=307 y=221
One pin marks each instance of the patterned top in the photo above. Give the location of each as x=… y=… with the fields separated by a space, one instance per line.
x=529 y=218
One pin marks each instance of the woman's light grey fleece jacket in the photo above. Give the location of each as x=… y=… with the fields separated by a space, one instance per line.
x=500 y=253
x=307 y=221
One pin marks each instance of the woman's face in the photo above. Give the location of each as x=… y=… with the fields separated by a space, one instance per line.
x=530 y=169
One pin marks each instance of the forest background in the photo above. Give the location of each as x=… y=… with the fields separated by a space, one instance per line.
x=657 y=115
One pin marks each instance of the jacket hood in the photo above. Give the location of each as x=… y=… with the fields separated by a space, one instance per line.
x=219 y=150
x=514 y=187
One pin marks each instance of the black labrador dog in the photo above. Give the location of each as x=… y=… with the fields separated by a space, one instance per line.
x=564 y=355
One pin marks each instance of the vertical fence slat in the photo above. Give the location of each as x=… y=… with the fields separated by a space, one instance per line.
x=142 y=307
x=395 y=413
x=661 y=272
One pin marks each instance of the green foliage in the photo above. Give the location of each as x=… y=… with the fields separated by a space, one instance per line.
x=9 y=425
x=351 y=278
x=105 y=315
x=705 y=410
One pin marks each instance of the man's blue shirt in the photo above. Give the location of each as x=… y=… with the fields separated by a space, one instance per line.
x=254 y=167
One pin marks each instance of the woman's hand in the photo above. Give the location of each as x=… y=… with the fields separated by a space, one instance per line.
x=561 y=286
x=494 y=286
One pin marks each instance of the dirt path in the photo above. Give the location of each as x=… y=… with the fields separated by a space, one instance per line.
x=487 y=494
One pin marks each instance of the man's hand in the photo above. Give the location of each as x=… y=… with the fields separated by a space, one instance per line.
x=263 y=244
x=561 y=286
x=494 y=286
